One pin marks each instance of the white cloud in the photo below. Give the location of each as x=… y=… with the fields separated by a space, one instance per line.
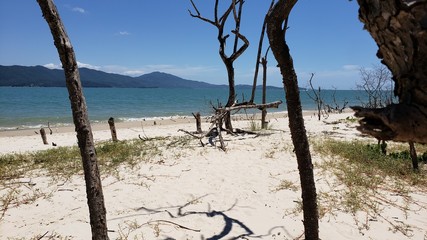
x=78 y=9
x=52 y=66
x=351 y=67
x=85 y=65
x=124 y=33
x=134 y=72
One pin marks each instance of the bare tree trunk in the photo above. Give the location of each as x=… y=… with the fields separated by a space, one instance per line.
x=399 y=29
x=198 y=122
x=231 y=93
x=95 y=197
x=264 y=91
x=414 y=157
x=112 y=129
x=258 y=57
x=43 y=134
x=276 y=29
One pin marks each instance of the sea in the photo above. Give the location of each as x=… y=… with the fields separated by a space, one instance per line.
x=33 y=107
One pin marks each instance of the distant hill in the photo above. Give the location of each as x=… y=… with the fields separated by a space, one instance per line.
x=39 y=76
x=165 y=80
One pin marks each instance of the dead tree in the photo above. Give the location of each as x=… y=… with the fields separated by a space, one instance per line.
x=316 y=97
x=264 y=89
x=219 y=22
x=216 y=121
x=337 y=107
x=376 y=83
x=95 y=197
x=277 y=25
x=399 y=29
x=258 y=58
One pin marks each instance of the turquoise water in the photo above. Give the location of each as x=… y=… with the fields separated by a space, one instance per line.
x=32 y=107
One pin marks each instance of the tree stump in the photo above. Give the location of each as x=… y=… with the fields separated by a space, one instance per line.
x=112 y=129
x=198 y=122
x=43 y=134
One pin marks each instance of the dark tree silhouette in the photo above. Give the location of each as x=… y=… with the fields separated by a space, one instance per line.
x=399 y=27
x=95 y=197
x=277 y=24
x=219 y=22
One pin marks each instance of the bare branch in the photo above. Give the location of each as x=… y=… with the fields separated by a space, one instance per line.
x=245 y=45
x=199 y=16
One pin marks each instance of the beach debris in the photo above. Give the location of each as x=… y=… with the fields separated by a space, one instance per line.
x=215 y=130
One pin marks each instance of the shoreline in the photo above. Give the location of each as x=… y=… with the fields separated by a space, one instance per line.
x=28 y=140
x=140 y=122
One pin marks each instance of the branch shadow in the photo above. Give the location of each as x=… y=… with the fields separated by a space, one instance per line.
x=229 y=222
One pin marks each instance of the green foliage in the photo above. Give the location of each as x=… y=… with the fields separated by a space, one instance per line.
x=66 y=161
x=368 y=157
x=364 y=179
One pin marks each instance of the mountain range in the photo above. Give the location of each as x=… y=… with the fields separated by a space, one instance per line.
x=39 y=76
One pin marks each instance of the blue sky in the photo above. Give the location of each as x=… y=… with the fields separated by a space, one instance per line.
x=135 y=37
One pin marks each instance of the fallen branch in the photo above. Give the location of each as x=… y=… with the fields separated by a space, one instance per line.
x=42 y=236
x=251 y=106
x=193 y=135
x=190 y=133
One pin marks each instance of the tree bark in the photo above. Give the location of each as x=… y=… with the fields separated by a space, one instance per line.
x=399 y=27
x=278 y=18
x=95 y=197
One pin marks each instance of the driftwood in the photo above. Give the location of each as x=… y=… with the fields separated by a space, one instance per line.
x=250 y=106
x=215 y=130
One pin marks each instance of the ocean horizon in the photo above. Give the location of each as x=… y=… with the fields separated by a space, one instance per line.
x=34 y=107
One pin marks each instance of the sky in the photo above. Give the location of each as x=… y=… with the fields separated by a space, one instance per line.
x=135 y=37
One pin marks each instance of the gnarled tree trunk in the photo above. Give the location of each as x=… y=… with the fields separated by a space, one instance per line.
x=399 y=27
x=276 y=29
x=95 y=197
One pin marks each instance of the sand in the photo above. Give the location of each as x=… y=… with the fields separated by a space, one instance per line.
x=248 y=192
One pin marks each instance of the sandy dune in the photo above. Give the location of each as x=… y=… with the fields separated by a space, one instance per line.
x=251 y=191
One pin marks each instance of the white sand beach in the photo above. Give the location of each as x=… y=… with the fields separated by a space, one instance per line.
x=197 y=192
